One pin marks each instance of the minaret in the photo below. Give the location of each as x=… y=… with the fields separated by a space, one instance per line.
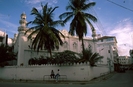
x=22 y=39
x=94 y=40
x=94 y=35
x=22 y=28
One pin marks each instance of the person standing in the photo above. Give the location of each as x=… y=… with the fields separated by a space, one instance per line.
x=57 y=75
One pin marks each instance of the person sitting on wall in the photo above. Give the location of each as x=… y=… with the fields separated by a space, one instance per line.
x=52 y=74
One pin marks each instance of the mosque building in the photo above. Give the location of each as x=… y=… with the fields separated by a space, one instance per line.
x=104 y=45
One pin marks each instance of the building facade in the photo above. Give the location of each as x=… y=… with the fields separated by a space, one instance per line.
x=131 y=55
x=124 y=60
x=3 y=37
x=106 y=46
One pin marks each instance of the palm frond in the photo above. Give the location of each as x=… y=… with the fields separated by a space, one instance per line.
x=91 y=26
x=66 y=14
x=53 y=10
x=36 y=13
x=89 y=5
x=90 y=16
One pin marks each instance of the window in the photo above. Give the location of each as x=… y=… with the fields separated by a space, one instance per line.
x=74 y=45
x=109 y=39
x=90 y=47
x=1 y=39
x=108 y=51
x=65 y=44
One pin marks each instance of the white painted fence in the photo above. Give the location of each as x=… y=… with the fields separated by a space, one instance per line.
x=76 y=72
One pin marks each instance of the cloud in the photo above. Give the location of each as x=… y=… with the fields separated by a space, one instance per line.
x=124 y=34
x=36 y=3
x=8 y=26
x=33 y=2
x=2 y=16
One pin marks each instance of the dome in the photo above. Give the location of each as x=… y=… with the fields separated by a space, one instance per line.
x=23 y=16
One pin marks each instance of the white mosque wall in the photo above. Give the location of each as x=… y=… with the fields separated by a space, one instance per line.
x=76 y=72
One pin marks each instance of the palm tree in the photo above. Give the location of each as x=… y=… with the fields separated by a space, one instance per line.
x=46 y=35
x=80 y=18
x=91 y=57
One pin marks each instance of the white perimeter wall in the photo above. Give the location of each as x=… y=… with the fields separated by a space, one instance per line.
x=77 y=72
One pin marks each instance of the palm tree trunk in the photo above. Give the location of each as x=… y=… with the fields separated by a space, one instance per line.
x=50 y=52
x=83 y=48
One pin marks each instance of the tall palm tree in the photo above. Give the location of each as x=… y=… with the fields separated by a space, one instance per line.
x=80 y=18
x=46 y=35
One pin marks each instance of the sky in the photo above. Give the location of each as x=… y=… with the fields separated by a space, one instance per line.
x=115 y=18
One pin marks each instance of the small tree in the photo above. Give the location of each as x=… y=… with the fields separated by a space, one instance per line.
x=6 y=54
x=66 y=57
x=90 y=57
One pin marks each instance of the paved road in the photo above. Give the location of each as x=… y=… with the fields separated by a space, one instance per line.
x=117 y=80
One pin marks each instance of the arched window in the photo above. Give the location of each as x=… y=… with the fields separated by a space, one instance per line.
x=89 y=47
x=74 y=45
x=65 y=44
